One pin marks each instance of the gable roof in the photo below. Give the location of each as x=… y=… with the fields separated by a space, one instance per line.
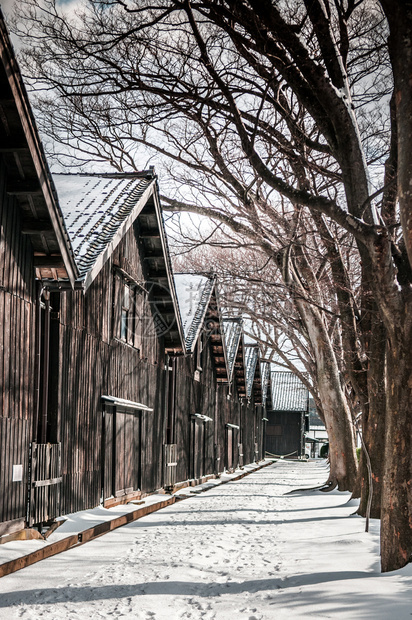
x=288 y=392
x=251 y=360
x=193 y=294
x=266 y=386
x=99 y=209
x=232 y=330
x=254 y=383
x=233 y=333
x=28 y=174
x=95 y=209
x=199 y=306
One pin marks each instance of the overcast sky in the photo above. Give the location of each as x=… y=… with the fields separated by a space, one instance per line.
x=6 y=5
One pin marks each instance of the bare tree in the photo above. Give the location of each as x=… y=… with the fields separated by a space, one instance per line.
x=248 y=100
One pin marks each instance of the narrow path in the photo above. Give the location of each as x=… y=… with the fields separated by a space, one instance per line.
x=243 y=550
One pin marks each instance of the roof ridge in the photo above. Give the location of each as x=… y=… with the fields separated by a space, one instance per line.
x=111 y=175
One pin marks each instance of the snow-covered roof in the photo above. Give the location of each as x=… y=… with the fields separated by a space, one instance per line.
x=96 y=208
x=251 y=360
x=193 y=294
x=232 y=330
x=288 y=392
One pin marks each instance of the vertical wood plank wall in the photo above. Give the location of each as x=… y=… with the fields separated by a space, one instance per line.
x=200 y=397
x=87 y=361
x=95 y=362
x=284 y=432
x=17 y=361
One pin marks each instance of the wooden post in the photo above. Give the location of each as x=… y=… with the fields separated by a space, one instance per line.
x=45 y=366
x=103 y=460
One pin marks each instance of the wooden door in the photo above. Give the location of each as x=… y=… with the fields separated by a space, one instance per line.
x=45 y=479
x=122 y=453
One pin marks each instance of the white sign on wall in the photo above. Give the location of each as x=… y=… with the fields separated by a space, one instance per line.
x=17 y=473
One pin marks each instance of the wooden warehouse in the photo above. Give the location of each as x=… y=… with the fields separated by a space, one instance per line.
x=33 y=246
x=255 y=422
x=242 y=404
x=107 y=393
x=218 y=422
x=110 y=339
x=199 y=376
x=286 y=415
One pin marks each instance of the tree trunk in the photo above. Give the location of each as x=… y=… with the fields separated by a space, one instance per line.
x=399 y=15
x=342 y=455
x=396 y=513
x=373 y=422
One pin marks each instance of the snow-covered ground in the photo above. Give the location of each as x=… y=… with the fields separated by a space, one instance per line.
x=242 y=550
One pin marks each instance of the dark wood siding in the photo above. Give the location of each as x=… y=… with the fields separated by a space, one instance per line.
x=96 y=362
x=17 y=357
x=284 y=433
x=204 y=446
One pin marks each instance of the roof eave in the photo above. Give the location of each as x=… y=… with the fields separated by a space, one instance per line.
x=169 y=273
x=190 y=348
x=33 y=144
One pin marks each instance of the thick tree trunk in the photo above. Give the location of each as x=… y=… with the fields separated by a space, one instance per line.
x=373 y=422
x=342 y=455
x=399 y=15
x=396 y=514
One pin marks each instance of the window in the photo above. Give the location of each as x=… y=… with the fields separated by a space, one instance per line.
x=129 y=322
x=199 y=352
x=128 y=316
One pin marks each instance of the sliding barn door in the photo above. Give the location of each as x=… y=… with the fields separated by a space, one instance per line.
x=122 y=453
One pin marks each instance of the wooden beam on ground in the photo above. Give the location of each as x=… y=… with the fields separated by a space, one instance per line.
x=26 y=534
x=79 y=539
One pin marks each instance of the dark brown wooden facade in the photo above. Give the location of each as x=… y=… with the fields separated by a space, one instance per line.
x=216 y=426
x=98 y=395
x=33 y=244
x=17 y=360
x=123 y=443
x=284 y=433
x=286 y=414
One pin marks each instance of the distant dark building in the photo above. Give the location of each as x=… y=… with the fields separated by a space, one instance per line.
x=316 y=435
x=286 y=419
